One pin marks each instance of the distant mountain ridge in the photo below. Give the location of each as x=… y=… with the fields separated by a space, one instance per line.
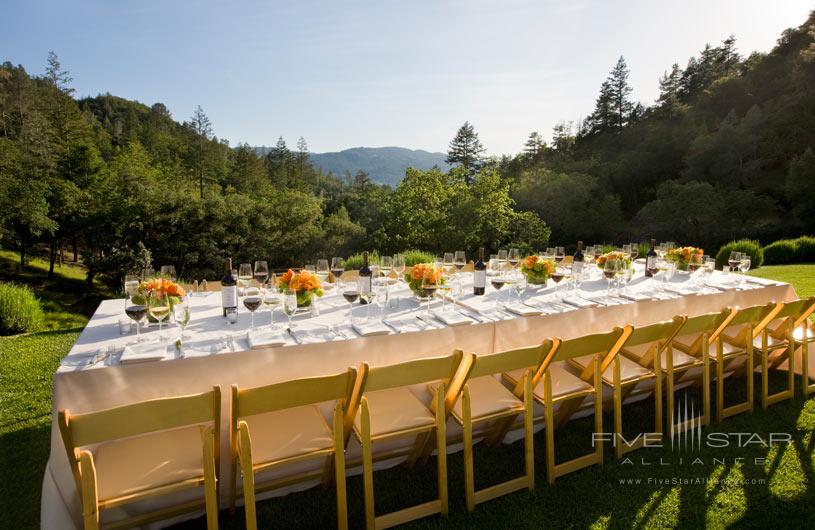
x=385 y=165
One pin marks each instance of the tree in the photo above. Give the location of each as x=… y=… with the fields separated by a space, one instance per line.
x=278 y=162
x=613 y=109
x=562 y=136
x=534 y=145
x=301 y=158
x=200 y=125
x=668 y=102
x=800 y=190
x=466 y=150
x=58 y=77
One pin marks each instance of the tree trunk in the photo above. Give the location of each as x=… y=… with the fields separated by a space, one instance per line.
x=76 y=251
x=52 y=257
x=22 y=255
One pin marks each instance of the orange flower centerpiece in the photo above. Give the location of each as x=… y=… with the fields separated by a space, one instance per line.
x=158 y=287
x=306 y=284
x=415 y=277
x=613 y=255
x=537 y=269
x=682 y=256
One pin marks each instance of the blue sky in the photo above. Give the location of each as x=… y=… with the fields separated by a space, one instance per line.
x=376 y=73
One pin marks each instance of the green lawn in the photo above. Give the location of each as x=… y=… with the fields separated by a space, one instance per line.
x=781 y=491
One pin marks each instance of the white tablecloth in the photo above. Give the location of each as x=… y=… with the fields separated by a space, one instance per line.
x=82 y=388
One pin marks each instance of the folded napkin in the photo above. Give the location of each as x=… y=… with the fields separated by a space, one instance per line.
x=266 y=337
x=314 y=335
x=83 y=359
x=637 y=296
x=143 y=352
x=407 y=324
x=202 y=348
x=523 y=309
x=452 y=318
x=580 y=303
x=373 y=327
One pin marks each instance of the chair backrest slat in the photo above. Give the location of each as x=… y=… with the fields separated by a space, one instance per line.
x=145 y=417
x=661 y=331
x=509 y=360
x=412 y=372
x=755 y=315
x=588 y=344
x=711 y=323
x=295 y=393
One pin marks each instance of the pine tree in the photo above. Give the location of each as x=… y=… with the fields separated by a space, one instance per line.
x=562 y=137
x=202 y=127
x=301 y=157
x=670 y=84
x=620 y=94
x=534 y=145
x=278 y=161
x=466 y=149
x=57 y=76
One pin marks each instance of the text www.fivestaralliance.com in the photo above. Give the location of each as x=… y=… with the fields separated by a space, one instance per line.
x=683 y=481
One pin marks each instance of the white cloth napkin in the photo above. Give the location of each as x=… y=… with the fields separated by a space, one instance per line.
x=452 y=318
x=266 y=337
x=202 y=348
x=407 y=324
x=579 y=302
x=637 y=296
x=374 y=327
x=143 y=352
x=314 y=335
x=523 y=309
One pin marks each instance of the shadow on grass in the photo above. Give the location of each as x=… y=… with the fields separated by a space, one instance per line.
x=700 y=491
x=23 y=454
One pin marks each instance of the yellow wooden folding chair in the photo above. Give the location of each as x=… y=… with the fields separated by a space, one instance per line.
x=132 y=459
x=390 y=410
x=734 y=353
x=636 y=371
x=803 y=335
x=487 y=402
x=554 y=385
x=777 y=345
x=280 y=424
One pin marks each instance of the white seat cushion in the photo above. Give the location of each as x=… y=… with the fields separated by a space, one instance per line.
x=563 y=381
x=680 y=358
x=628 y=369
x=135 y=464
x=395 y=409
x=286 y=433
x=488 y=396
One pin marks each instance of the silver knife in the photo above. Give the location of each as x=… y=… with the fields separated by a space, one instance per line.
x=293 y=336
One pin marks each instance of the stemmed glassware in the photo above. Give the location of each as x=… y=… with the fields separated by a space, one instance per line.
x=557 y=276
x=520 y=286
x=744 y=265
x=610 y=272
x=386 y=265
x=443 y=287
x=181 y=314
x=497 y=281
x=290 y=304
x=168 y=271
x=158 y=305
x=382 y=295
x=367 y=294
x=244 y=276
x=502 y=259
x=460 y=260
x=449 y=263
x=252 y=301
x=560 y=253
x=514 y=257
x=270 y=299
x=261 y=273
x=430 y=282
x=136 y=312
x=322 y=270
x=351 y=293
x=337 y=269
x=734 y=260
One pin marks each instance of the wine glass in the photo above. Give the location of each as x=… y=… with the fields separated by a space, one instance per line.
x=610 y=272
x=460 y=260
x=514 y=257
x=168 y=271
x=147 y=273
x=181 y=314
x=449 y=262
x=261 y=272
x=560 y=253
x=244 y=275
x=520 y=286
x=351 y=294
x=667 y=274
x=252 y=301
x=386 y=265
x=322 y=270
x=744 y=265
x=382 y=295
x=492 y=265
x=367 y=295
x=550 y=253
x=455 y=290
x=443 y=288
x=557 y=276
x=136 y=312
x=158 y=305
x=635 y=251
x=290 y=304
x=399 y=265
x=502 y=259
x=430 y=282
x=497 y=281
x=271 y=299
x=337 y=269
x=734 y=260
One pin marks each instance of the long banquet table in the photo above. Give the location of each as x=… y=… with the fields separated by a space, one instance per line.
x=83 y=387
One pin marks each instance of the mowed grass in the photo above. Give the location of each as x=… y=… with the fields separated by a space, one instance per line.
x=778 y=492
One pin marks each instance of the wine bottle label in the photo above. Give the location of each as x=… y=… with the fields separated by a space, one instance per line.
x=650 y=262
x=229 y=296
x=480 y=279
x=365 y=284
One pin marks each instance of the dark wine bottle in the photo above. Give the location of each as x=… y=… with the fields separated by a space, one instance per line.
x=577 y=263
x=651 y=260
x=365 y=275
x=229 y=288
x=479 y=274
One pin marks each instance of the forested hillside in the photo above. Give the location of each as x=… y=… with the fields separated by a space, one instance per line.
x=725 y=152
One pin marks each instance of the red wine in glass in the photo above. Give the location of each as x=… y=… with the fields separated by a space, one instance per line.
x=556 y=277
